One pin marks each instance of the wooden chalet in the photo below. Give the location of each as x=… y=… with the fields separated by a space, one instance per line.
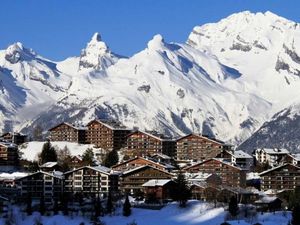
x=194 y=147
x=147 y=144
x=132 y=180
x=90 y=181
x=137 y=162
x=36 y=185
x=108 y=135
x=158 y=190
x=68 y=132
x=284 y=177
x=13 y=137
x=231 y=175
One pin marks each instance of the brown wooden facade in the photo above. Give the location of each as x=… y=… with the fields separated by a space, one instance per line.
x=107 y=135
x=137 y=162
x=198 y=148
x=131 y=181
x=158 y=192
x=231 y=176
x=145 y=144
x=13 y=137
x=67 y=132
x=285 y=177
x=8 y=154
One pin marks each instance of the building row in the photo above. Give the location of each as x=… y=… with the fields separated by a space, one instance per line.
x=110 y=135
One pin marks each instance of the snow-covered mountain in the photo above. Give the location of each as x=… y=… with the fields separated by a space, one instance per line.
x=226 y=80
x=281 y=131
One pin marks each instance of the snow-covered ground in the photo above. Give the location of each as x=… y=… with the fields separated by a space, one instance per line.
x=196 y=213
x=31 y=149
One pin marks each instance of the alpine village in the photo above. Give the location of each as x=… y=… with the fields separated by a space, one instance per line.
x=126 y=164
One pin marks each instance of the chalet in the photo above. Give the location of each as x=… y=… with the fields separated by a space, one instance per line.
x=137 y=162
x=50 y=167
x=9 y=157
x=194 y=147
x=203 y=191
x=132 y=180
x=13 y=137
x=36 y=185
x=162 y=158
x=267 y=203
x=107 y=135
x=67 y=132
x=272 y=156
x=90 y=181
x=158 y=190
x=207 y=178
x=293 y=159
x=76 y=162
x=149 y=143
x=231 y=175
x=241 y=159
x=284 y=177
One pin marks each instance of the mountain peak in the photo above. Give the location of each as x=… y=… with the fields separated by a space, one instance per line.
x=157 y=42
x=16 y=52
x=96 y=37
x=96 y=55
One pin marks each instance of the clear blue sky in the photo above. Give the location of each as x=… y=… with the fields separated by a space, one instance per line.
x=57 y=29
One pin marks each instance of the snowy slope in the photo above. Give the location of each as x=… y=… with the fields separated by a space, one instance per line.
x=197 y=212
x=31 y=149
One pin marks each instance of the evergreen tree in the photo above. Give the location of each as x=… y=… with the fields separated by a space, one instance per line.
x=42 y=205
x=296 y=215
x=126 y=207
x=33 y=166
x=98 y=207
x=88 y=156
x=29 y=205
x=181 y=192
x=55 y=207
x=48 y=153
x=112 y=158
x=64 y=204
x=109 y=204
x=233 y=206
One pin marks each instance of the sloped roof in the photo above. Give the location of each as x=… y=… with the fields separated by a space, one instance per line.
x=241 y=154
x=113 y=125
x=156 y=183
x=49 y=164
x=276 y=168
x=143 y=167
x=70 y=125
x=274 y=151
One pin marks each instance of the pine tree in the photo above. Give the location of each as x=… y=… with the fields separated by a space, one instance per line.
x=88 y=156
x=29 y=205
x=126 y=207
x=233 y=206
x=109 y=204
x=55 y=207
x=33 y=166
x=48 y=153
x=42 y=205
x=296 y=215
x=112 y=158
x=181 y=192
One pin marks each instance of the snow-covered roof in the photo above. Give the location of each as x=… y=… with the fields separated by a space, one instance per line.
x=12 y=176
x=200 y=176
x=8 y=144
x=241 y=154
x=100 y=168
x=296 y=156
x=49 y=164
x=252 y=176
x=266 y=199
x=111 y=124
x=273 y=151
x=77 y=127
x=163 y=156
x=156 y=182
x=141 y=167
